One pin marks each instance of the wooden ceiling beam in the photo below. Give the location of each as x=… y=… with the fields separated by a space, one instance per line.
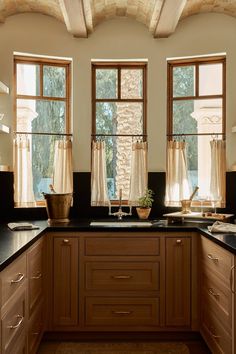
x=73 y=13
x=169 y=17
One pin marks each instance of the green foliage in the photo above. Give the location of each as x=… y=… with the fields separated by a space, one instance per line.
x=147 y=199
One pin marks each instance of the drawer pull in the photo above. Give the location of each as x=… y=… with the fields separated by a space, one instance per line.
x=232 y=279
x=122 y=276
x=38 y=276
x=66 y=240
x=123 y=313
x=215 y=259
x=178 y=241
x=19 y=279
x=211 y=292
x=20 y=320
x=211 y=330
x=35 y=333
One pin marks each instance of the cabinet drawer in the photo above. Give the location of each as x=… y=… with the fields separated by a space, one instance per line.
x=13 y=321
x=213 y=330
x=122 y=311
x=19 y=346
x=122 y=246
x=13 y=277
x=35 y=329
x=35 y=275
x=217 y=259
x=216 y=294
x=122 y=276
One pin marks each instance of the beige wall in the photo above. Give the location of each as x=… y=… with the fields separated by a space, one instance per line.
x=118 y=39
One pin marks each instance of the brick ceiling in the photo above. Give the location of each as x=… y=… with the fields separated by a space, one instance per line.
x=82 y=16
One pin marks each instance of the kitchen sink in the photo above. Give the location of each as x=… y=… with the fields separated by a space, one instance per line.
x=121 y=223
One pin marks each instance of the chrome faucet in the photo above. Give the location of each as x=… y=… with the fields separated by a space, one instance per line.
x=120 y=213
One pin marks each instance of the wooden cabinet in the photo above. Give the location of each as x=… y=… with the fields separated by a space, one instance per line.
x=65 y=281
x=36 y=297
x=121 y=277
x=22 y=299
x=217 y=297
x=13 y=305
x=178 y=281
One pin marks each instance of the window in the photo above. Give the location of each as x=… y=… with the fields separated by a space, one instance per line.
x=42 y=101
x=119 y=117
x=196 y=114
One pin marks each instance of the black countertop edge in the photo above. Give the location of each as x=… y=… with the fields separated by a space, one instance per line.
x=14 y=243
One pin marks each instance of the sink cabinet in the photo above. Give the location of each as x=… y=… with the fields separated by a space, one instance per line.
x=116 y=281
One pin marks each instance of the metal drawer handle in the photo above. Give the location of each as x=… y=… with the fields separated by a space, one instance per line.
x=18 y=280
x=178 y=241
x=38 y=276
x=66 y=240
x=212 y=334
x=35 y=333
x=122 y=312
x=231 y=279
x=21 y=318
x=211 y=292
x=215 y=259
x=122 y=276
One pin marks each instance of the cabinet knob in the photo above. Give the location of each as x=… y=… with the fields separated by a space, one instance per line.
x=178 y=241
x=66 y=240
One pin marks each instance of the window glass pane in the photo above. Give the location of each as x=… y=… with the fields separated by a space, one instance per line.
x=210 y=79
x=118 y=162
x=54 y=81
x=197 y=116
x=131 y=83
x=41 y=116
x=183 y=81
x=42 y=163
x=27 y=79
x=106 y=83
x=119 y=118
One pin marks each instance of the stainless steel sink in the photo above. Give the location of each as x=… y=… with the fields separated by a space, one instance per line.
x=121 y=223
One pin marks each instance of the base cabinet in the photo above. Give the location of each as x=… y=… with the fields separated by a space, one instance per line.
x=178 y=281
x=65 y=281
x=113 y=281
x=217 y=297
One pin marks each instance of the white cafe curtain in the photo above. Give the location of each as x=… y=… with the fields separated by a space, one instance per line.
x=99 y=192
x=218 y=170
x=177 y=184
x=23 y=178
x=62 y=167
x=138 y=175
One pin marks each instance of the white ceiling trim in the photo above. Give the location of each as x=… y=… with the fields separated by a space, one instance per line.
x=73 y=13
x=169 y=17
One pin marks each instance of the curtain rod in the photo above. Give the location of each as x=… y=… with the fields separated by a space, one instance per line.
x=30 y=133
x=195 y=134
x=118 y=135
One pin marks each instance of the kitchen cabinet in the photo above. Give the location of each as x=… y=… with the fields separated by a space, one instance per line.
x=36 y=300
x=22 y=300
x=65 y=281
x=118 y=281
x=178 y=281
x=13 y=305
x=217 y=268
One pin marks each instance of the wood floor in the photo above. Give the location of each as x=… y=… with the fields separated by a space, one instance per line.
x=195 y=347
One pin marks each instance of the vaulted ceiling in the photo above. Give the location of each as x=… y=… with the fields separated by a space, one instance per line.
x=82 y=16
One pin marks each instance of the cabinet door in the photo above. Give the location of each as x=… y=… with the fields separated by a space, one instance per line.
x=178 y=285
x=65 y=296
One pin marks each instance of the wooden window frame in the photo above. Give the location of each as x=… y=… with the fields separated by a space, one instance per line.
x=196 y=62
x=119 y=66
x=41 y=61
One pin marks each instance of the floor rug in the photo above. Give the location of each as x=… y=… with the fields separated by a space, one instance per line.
x=122 y=348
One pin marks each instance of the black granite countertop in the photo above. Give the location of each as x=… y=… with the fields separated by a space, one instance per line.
x=13 y=243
